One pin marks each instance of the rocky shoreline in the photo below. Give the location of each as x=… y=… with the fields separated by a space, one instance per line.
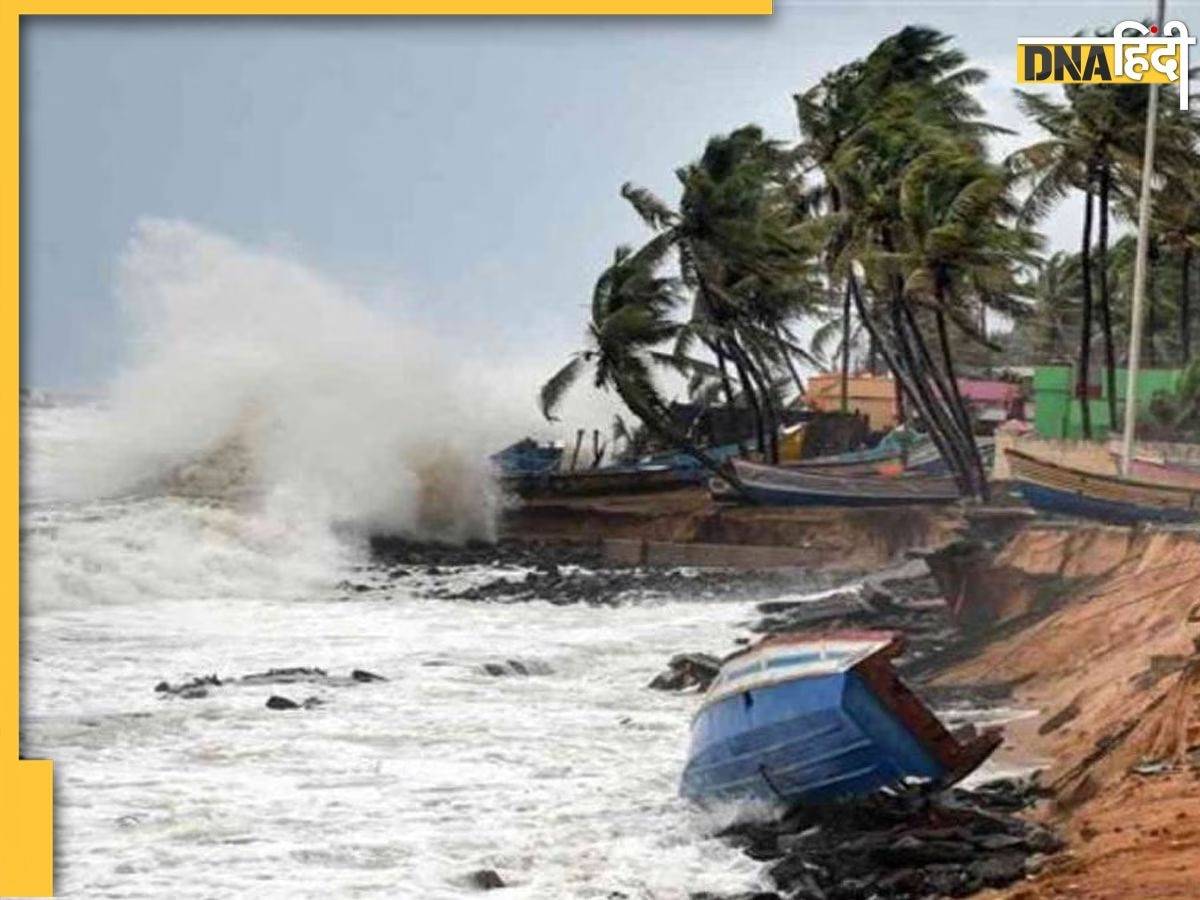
x=909 y=844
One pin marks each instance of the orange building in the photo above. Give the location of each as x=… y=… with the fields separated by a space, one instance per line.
x=872 y=395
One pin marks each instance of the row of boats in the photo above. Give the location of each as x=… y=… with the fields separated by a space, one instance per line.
x=896 y=472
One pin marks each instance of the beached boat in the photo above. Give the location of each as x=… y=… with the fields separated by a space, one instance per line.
x=598 y=482
x=1068 y=491
x=779 y=486
x=817 y=717
x=1159 y=471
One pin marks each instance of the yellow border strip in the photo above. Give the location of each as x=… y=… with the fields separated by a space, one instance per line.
x=26 y=786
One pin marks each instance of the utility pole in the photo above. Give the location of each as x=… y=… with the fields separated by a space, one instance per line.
x=1139 y=267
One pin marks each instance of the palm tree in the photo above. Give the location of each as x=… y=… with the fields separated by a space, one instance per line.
x=914 y=101
x=1094 y=145
x=746 y=264
x=1051 y=330
x=959 y=243
x=630 y=319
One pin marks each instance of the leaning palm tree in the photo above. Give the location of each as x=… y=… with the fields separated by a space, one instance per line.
x=959 y=252
x=747 y=267
x=631 y=319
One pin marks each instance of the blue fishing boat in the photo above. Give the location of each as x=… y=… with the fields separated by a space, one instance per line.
x=528 y=457
x=813 y=718
x=1064 y=490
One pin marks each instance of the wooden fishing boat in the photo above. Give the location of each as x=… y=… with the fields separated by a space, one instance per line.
x=779 y=486
x=818 y=717
x=1160 y=471
x=1068 y=491
x=599 y=482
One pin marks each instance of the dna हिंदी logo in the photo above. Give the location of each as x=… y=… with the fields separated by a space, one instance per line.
x=1144 y=57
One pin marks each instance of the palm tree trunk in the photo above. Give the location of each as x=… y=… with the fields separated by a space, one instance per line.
x=935 y=397
x=658 y=420
x=1185 y=307
x=1110 y=353
x=1085 y=326
x=771 y=416
x=960 y=406
x=785 y=351
x=898 y=372
x=727 y=387
x=750 y=394
x=846 y=349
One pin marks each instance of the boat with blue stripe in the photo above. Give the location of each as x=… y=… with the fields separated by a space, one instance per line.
x=818 y=717
x=1064 y=490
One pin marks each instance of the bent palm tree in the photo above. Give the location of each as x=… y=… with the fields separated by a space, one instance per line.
x=630 y=319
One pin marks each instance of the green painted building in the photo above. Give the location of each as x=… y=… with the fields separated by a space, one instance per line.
x=1057 y=411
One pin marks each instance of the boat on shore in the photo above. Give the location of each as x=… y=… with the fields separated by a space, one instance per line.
x=1065 y=490
x=1159 y=471
x=817 y=717
x=599 y=482
x=781 y=486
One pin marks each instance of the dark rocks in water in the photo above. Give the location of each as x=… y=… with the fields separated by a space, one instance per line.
x=899 y=845
x=285 y=676
x=200 y=687
x=189 y=690
x=514 y=667
x=687 y=670
x=277 y=702
x=486 y=879
x=406 y=554
x=565 y=573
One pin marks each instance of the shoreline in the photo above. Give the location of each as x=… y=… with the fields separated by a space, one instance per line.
x=1111 y=772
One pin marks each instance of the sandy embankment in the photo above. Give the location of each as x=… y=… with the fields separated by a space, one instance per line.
x=1115 y=675
x=831 y=539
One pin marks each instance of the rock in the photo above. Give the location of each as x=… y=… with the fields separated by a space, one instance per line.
x=486 y=879
x=277 y=702
x=189 y=690
x=363 y=675
x=515 y=667
x=994 y=842
x=687 y=670
x=999 y=870
x=287 y=675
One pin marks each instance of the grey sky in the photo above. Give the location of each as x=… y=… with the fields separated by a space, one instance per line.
x=470 y=166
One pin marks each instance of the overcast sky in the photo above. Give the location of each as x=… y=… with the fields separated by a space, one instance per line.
x=467 y=166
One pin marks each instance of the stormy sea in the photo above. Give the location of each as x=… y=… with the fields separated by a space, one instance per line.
x=194 y=544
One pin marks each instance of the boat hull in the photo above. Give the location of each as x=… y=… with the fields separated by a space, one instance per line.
x=818 y=716
x=814 y=740
x=778 y=486
x=1074 y=503
x=1064 y=490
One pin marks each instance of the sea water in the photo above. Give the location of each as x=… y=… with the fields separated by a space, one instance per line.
x=563 y=782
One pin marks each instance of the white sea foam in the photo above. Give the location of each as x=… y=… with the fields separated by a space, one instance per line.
x=181 y=525
x=565 y=782
x=247 y=361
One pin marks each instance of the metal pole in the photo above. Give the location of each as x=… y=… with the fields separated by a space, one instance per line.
x=1139 y=270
